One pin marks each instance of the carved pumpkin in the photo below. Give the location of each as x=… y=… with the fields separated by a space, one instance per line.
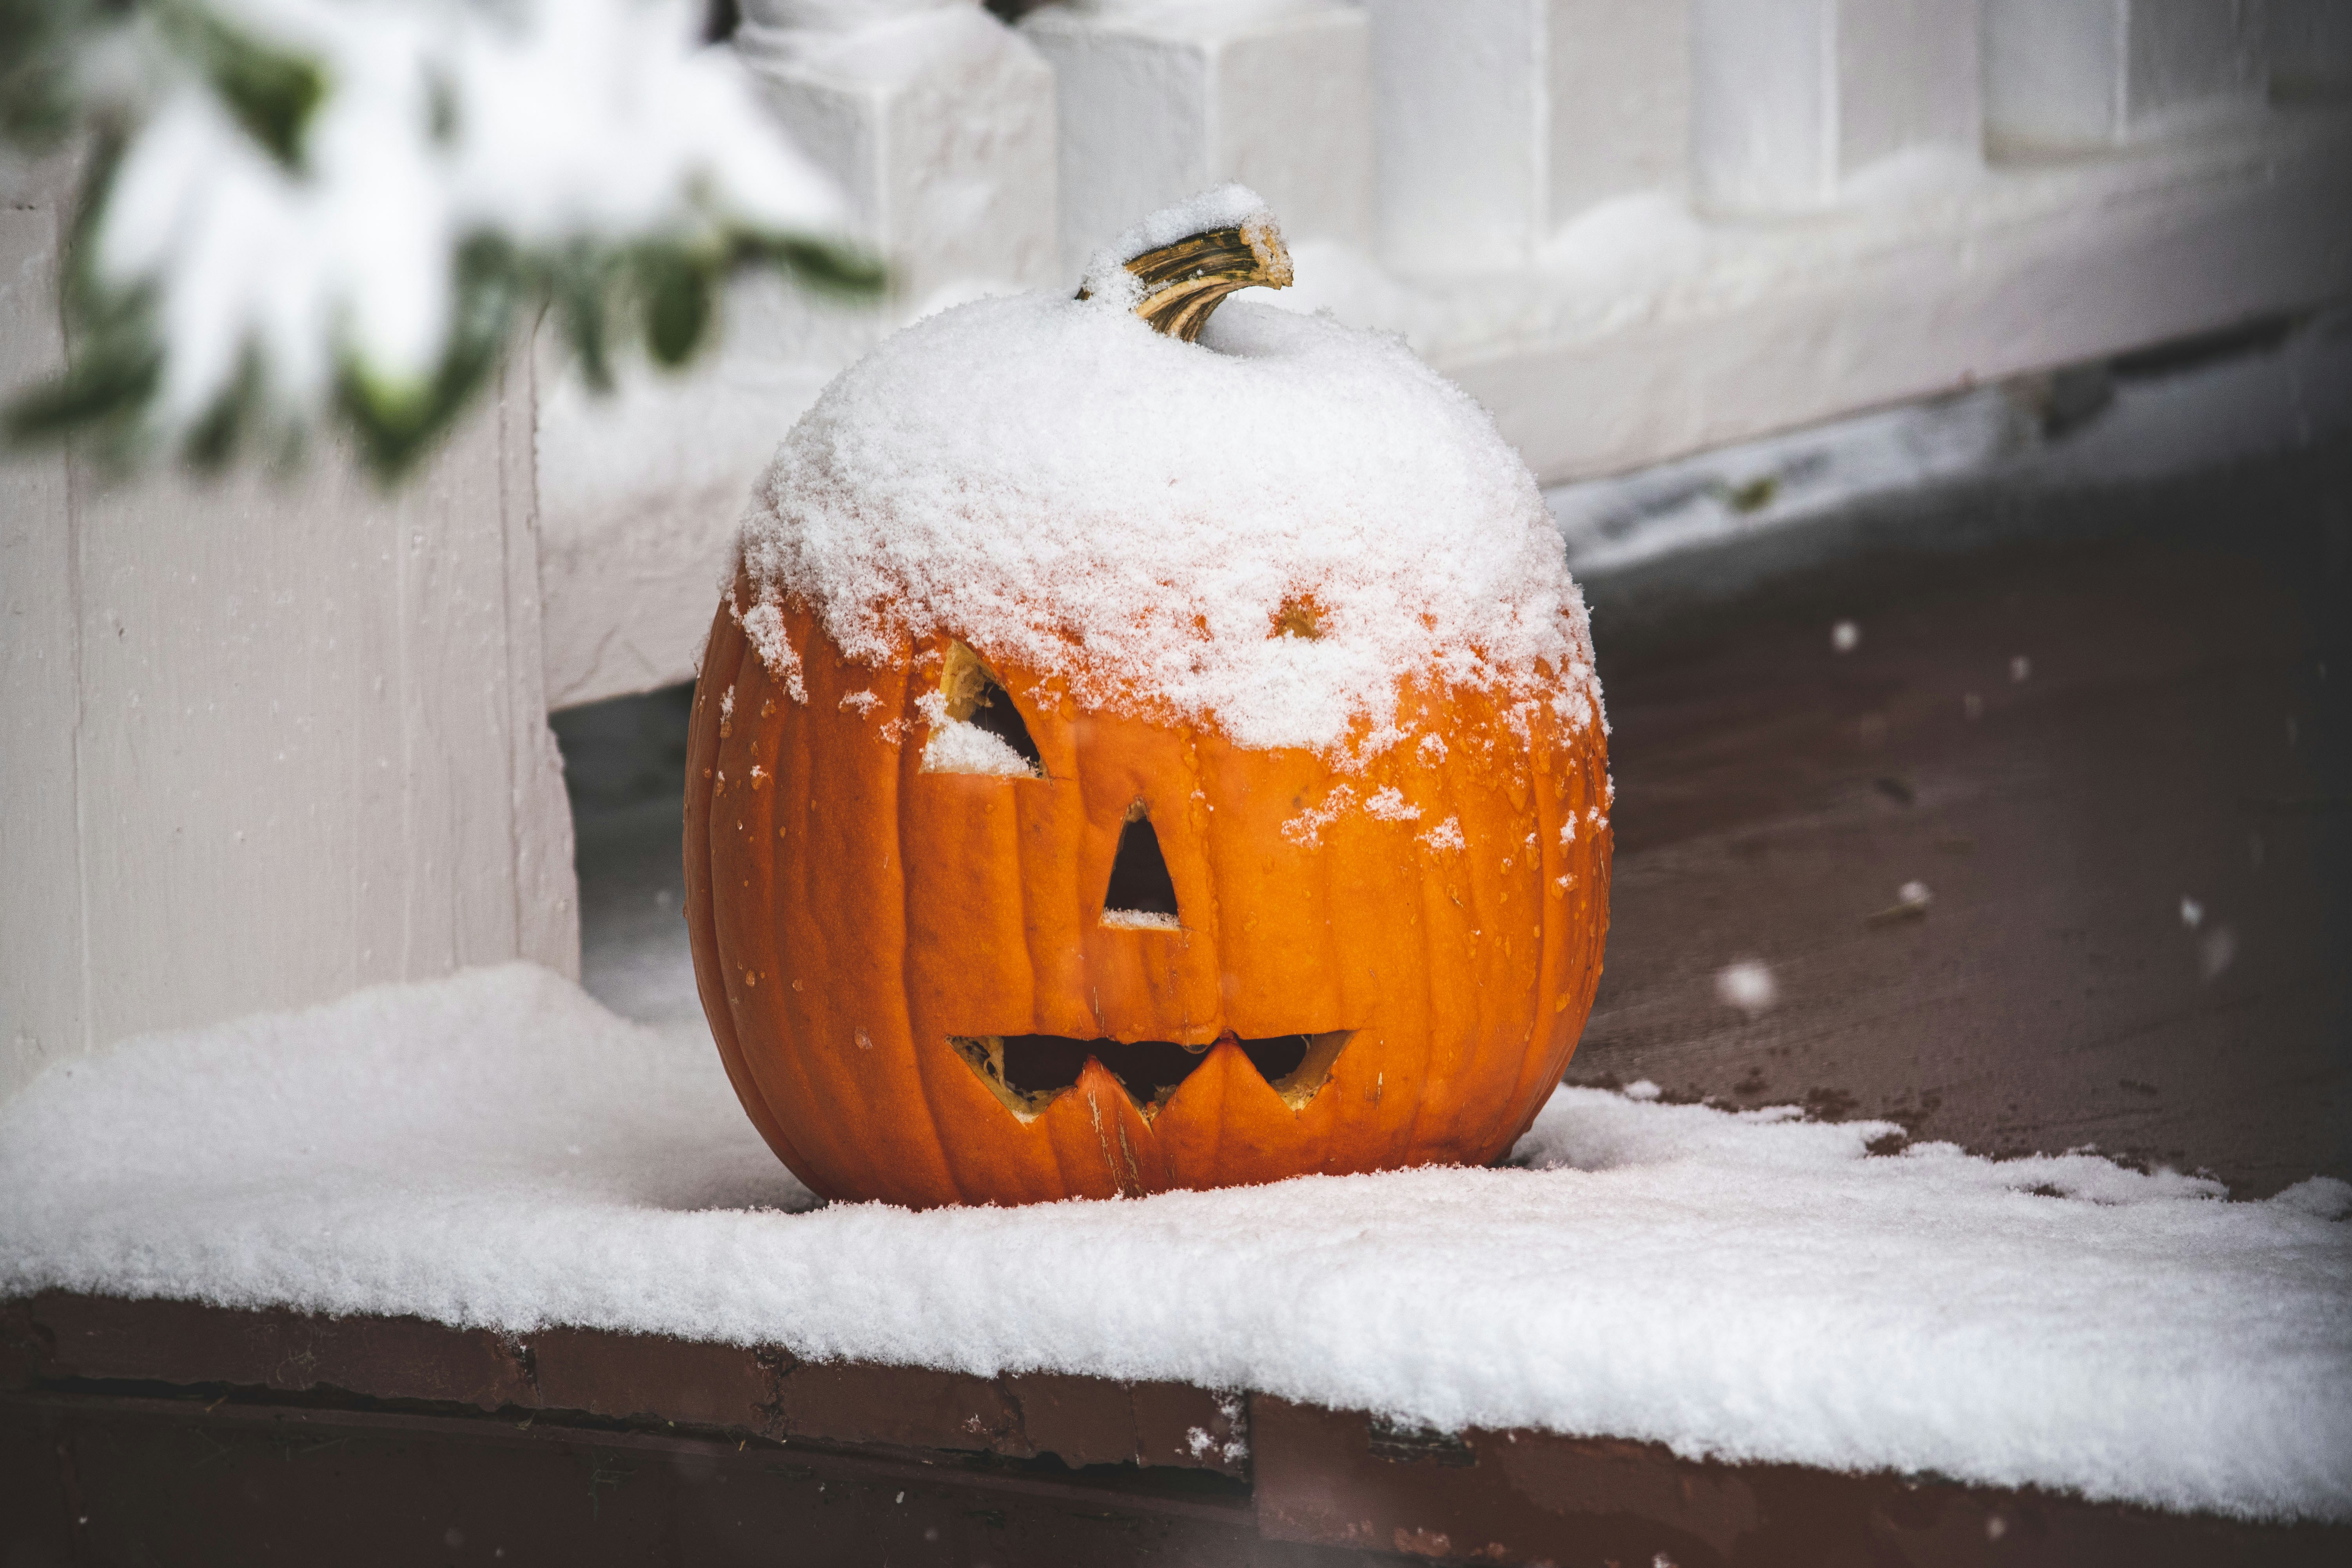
x=989 y=904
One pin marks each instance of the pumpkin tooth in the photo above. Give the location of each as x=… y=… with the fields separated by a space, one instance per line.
x=1101 y=1142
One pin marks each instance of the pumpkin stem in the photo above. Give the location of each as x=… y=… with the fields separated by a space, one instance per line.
x=1184 y=282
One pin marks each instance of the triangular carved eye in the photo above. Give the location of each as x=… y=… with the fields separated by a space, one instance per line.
x=1142 y=895
x=975 y=702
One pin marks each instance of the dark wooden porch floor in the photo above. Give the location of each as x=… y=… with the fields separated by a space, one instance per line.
x=2181 y=727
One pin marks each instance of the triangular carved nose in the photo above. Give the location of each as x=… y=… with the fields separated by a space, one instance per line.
x=1142 y=893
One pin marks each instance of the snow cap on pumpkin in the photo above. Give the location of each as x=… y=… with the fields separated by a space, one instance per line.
x=1269 y=532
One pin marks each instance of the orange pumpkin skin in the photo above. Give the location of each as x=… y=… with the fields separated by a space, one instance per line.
x=850 y=913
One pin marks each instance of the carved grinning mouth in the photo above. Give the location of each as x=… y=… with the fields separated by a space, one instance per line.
x=1027 y=1071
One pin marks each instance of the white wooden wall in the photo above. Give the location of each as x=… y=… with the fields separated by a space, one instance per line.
x=262 y=740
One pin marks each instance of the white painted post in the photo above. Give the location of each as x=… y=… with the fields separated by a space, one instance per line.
x=2311 y=47
x=1162 y=97
x=936 y=120
x=263 y=738
x=1498 y=121
x=1792 y=98
x=2100 y=73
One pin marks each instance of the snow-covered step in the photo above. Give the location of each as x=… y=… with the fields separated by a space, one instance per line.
x=497 y=1150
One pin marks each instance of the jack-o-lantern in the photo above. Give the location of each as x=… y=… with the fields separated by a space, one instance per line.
x=1126 y=761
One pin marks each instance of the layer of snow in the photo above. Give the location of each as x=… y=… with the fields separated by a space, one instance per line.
x=1721 y=496
x=1140 y=920
x=1061 y=487
x=497 y=1150
x=565 y=121
x=2150 y=429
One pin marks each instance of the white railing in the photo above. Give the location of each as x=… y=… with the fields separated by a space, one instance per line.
x=1633 y=230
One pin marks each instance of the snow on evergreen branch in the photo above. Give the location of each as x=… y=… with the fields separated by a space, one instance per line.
x=306 y=210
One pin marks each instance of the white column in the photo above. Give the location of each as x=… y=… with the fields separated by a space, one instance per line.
x=938 y=120
x=2094 y=73
x=264 y=738
x=1162 y=97
x=1498 y=121
x=1792 y=98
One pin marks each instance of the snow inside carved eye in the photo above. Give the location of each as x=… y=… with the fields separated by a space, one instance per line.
x=975 y=727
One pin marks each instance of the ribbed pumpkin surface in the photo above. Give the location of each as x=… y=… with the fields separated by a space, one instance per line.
x=853 y=915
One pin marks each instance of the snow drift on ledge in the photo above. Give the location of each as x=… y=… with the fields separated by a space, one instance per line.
x=496 y=1149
